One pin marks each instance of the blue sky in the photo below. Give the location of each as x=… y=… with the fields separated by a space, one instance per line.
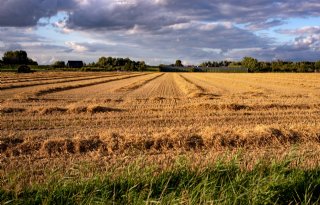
x=161 y=31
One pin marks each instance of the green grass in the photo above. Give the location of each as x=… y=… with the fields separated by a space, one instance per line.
x=221 y=183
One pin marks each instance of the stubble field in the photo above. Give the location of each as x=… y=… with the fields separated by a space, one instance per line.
x=57 y=122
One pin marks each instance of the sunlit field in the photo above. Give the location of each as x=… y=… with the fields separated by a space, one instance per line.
x=141 y=128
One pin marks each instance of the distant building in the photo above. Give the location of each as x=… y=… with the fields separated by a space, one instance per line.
x=75 y=64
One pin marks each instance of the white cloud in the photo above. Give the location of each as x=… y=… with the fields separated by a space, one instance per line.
x=76 y=47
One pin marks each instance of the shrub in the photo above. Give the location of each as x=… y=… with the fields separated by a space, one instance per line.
x=24 y=69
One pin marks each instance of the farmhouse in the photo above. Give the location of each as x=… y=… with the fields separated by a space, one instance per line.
x=75 y=64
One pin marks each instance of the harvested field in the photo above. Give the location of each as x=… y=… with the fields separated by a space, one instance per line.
x=52 y=118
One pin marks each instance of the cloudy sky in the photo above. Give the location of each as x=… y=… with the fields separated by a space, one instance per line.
x=161 y=31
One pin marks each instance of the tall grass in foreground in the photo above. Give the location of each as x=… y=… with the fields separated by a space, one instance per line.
x=221 y=183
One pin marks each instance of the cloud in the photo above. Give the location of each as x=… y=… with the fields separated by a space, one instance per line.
x=159 y=30
x=301 y=31
x=153 y=14
x=307 y=38
x=24 y=13
x=264 y=24
x=36 y=46
x=76 y=47
x=120 y=15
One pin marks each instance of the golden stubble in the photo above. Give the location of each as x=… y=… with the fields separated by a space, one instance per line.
x=108 y=118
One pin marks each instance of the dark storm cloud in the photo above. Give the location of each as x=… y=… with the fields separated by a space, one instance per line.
x=153 y=14
x=165 y=29
x=23 y=13
x=118 y=15
x=193 y=41
x=14 y=35
x=223 y=36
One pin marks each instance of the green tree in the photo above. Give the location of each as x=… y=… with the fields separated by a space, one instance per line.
x=178 y=63
x=127 y=66
x=102 y=61
x=17 y=58
x=317 y=66
x=59 y=64
x=277 y=66
x=109 y=61
x=142 y=66
x=251 y=63
x=93 y=64
x=302 y=67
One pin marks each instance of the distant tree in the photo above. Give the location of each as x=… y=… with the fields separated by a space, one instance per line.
x=251 y=63
x=102 y=61
x=234 y=64
x=317 y=66
x=178 y=63
x=93 y=64
x=109 y=61
x=142 y=66
x=127 y=66
x=264 y=66
x=17 y=58
x=277 y=66
x=59 y=64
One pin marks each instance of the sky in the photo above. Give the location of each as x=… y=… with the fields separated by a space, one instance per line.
x=161 y=31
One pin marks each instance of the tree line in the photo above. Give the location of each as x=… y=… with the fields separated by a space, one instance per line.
x=125 y=64
x=20 y=57
x=216 y=63
x=251 y=64
x=254 y=65
x=109 y=64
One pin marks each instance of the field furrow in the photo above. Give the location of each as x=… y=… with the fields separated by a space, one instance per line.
x=162 y=87
x=51 y=81
x=25 y=92
x=220 y=84
x=138 y=84
x=188 y=87
x=16 y=77
x=254 y=83
x=105 y=91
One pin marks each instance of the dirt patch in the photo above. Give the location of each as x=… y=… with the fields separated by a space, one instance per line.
x=194 y=142
x=237 y=107
x=157 y=98
x=98 y=109
x=89 y=145
x=8 y=142
x=27 y=148
x=8 y=110
x=58 y=147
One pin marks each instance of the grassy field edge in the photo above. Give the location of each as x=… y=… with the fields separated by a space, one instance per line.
x=219 y=183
